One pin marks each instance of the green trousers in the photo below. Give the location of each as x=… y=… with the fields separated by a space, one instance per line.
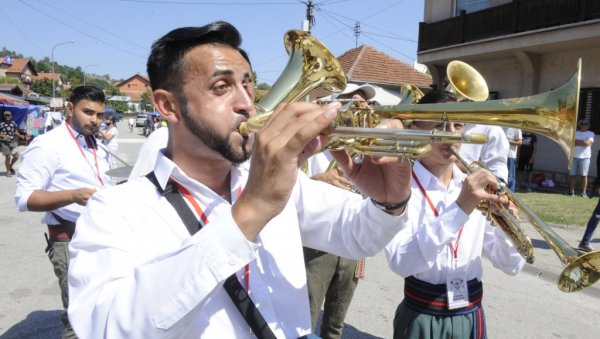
x=415 y=325
x=331 y=283
x=59 y=257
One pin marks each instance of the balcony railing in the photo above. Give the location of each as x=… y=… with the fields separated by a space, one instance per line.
x=517 y=16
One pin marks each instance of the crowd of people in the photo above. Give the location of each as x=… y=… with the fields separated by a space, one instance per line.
x=216 y=234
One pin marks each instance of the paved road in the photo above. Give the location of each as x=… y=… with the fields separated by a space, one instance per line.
x=526 y=306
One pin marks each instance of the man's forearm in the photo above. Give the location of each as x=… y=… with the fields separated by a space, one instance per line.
x=42 y=201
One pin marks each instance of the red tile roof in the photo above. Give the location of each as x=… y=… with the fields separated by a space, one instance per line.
x=367 y=64
x=44 y=75
x=19 y=65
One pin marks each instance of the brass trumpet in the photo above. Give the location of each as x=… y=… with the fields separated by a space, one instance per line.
x=552 y=114
x=503 y=218
x=311 y=65
x=580 y=271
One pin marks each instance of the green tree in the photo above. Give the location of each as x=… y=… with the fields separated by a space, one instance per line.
x=42 y=87
x=146 y=100
x=112 y=90
x=119 y=106
x=9 y=80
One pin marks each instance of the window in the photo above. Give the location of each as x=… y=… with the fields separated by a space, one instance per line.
x=471 y=5
x=589 y=107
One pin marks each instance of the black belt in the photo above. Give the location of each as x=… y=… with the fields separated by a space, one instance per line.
x=432 y=299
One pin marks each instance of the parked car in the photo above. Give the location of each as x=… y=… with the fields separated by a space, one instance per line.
x=140 y=121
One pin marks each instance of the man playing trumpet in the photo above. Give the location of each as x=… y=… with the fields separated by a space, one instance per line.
x=439 y=253
x=209 y=245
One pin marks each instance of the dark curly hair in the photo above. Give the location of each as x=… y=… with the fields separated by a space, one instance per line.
x=165 y=60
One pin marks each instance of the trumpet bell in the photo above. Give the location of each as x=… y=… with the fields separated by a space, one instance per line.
x=310 y=65
x=580 y=273
x=466 y=82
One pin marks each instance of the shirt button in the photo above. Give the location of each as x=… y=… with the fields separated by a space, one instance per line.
x=232 y=261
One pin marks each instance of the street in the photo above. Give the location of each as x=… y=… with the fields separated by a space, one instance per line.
x=528 y=305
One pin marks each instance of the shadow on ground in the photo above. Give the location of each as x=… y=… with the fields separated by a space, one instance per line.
x=349 y=332
x=37 y=325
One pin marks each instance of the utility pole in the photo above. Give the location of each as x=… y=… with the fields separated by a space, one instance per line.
x=357 y=32
x=310 y=17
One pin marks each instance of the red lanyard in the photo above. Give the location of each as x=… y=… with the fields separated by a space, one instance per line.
x=83 y=154
x=186 y=194
x=435 y=212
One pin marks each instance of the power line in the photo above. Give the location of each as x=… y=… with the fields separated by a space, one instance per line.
x=96 y=26
x=362 y=22
x=366 y=34
x=221 y=3
x=80 y=31
x=22 y=32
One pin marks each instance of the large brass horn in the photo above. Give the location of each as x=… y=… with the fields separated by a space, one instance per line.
x=310 y=65
x=552 y=114
x=466 y=82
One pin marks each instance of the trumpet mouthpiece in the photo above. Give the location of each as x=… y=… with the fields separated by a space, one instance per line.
x=243 y=129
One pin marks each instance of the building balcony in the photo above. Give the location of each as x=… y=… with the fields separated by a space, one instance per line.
x=516 y=17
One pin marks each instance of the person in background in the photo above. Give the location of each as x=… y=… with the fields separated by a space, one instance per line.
x=131 y=123
x=515 y=139
x=440 y=254
x=108 y=136
x=584 y=138
x=8 y=142
x=332 y=279
x=209 y=244
x=525 y=160
x=584 y=244
x=493 y=154
x=60 y=171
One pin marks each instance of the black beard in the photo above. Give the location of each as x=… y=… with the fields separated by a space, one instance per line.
x=211 y=139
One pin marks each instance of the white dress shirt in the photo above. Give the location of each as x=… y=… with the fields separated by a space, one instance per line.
x=135 y=272
x=493 y=154
x=53 y=162
x=146 y=159
x=423 y=249
x=513 y=134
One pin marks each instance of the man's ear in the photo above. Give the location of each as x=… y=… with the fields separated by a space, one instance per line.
x=167 y=105
x=69 y=109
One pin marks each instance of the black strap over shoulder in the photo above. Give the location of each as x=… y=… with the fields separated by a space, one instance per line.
x=232 y=285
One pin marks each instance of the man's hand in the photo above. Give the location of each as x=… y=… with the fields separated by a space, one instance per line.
x=475 y=189
x=80 y=196
x=288 y=138
x=384 y=179
x=334 y=178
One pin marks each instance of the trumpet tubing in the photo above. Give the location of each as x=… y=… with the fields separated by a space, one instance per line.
x=552 y=114
x=311 y=65
x=580 y=271
x=504 y=219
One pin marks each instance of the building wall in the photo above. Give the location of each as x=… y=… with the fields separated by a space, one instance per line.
x=436 y=10
x=506 y=77
x=135 y=85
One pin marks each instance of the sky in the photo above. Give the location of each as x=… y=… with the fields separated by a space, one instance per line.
x=114 y=36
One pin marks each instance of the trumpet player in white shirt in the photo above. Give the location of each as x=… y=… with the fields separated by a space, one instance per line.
x=439 y=253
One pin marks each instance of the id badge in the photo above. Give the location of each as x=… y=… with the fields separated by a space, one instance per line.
x=457 y=290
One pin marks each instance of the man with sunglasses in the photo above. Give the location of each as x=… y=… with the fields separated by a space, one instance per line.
x=8 y=143
x=59 y=172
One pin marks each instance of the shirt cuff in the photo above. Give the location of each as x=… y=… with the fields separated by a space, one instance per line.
x=22 y=200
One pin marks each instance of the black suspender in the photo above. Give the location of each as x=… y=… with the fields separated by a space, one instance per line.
x=232 y=285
